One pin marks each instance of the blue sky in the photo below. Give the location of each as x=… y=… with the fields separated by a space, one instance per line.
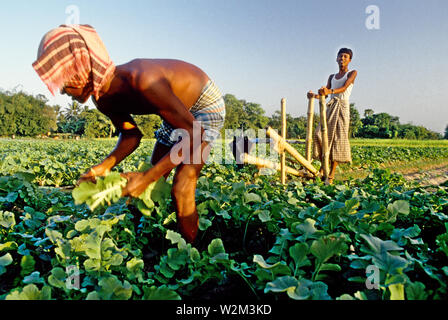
x=260 y=50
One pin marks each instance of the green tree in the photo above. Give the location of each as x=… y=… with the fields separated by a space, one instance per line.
x=96 y=124
x=384 y=125
x=369 y=131
x=74 y=110
x=275 y=121
x=255 y=118
x=409 y=131
x=7 y=117
x=376 y=125
x=148 y=124
x=296 y=127
x=71 y=119
x=25 y=115
x=234 y=111
x=355 y=121
x=409 y=134
x=394 y=125
x=368 y=113
x=241 y=114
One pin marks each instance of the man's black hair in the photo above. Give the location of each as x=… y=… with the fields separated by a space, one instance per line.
x=346 y=50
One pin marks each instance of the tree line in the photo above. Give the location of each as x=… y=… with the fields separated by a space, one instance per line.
x=22 y=114
x=25 y=115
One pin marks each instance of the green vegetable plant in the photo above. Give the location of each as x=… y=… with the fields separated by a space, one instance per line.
x=258 y=239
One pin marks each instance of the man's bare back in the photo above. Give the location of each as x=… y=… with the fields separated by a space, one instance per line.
x=139 y=79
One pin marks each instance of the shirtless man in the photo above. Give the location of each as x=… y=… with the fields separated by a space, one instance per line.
x=180 y=93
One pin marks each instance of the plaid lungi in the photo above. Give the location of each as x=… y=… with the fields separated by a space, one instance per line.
x=209 y=111
x=338 y=124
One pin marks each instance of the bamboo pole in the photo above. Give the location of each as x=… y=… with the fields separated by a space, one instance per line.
x=282 y=151
x=282 y=144
x=263 y=163
x=324 y=131
x=309 y=131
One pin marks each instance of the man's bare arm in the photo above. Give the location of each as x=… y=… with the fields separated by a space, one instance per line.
x=128 y=142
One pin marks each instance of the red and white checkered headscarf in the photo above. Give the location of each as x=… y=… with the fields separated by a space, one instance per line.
x=73 y=56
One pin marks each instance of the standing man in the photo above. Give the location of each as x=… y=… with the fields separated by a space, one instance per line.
x=340 y=87
x=74 y=61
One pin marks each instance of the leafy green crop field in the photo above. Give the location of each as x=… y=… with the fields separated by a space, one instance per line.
x=378 y=238
x=60 y=163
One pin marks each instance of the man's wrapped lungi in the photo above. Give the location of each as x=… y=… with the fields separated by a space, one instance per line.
x=338 y=124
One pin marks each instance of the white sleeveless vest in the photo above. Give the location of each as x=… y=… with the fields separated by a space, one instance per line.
x=336 y=84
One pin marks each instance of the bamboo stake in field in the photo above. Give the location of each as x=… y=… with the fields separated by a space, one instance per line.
x=324 y=131
x=309 y=131
x=281 y=144
x=263 y=163
x=282 y=151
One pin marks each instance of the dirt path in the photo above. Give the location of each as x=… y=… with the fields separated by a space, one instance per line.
x=425 y=173
x=432 y=176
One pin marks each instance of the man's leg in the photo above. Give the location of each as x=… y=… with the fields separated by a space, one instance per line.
x=183 y=194
x=334 y=165
x=160 y=150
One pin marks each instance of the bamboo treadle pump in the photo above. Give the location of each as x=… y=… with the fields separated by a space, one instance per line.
x=282 y=146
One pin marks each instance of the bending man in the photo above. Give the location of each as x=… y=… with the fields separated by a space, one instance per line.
x=74 y=61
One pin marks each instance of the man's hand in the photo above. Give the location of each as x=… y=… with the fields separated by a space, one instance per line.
x=86 y=177
x=137 y=184
x=310 y=95
x=324 y=91
x=91 y=175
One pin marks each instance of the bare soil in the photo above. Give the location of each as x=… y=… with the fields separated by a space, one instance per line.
x=429 y=177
